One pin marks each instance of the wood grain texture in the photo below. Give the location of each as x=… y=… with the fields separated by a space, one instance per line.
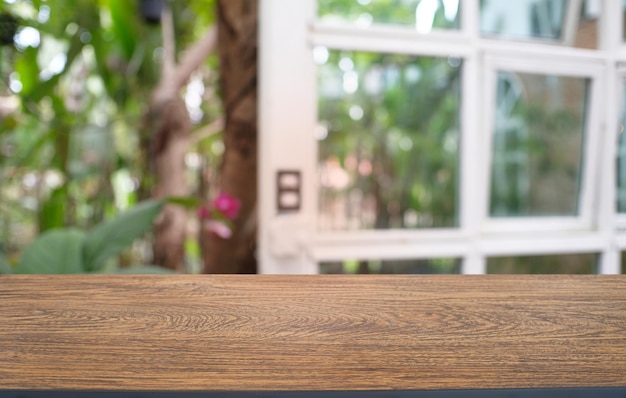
x=311 y=332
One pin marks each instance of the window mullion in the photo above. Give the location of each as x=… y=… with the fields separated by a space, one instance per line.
x=610 y=262
x=610 y=28
x=470 y=18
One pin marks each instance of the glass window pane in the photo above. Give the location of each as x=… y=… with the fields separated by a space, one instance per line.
x=586 y=35
x=623 y=262
x=621 y=160
x=559 y=264
x=429 y=266
x=541 y=20
x=423 y=15
x=388 y=140
x=523 y=19
x=538 y=139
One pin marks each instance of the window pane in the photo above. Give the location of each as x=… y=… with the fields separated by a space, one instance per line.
x=388 y=140
x=621 y=160
x=560 y=264
x=430 y=266
x=537 y=145
x=523 y=19
x=623 y=262
x=586 y=35
x=423 y=15
x=541 y=20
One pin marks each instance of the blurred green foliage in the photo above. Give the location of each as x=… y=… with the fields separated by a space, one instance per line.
x=77 y=83
x=73 y=251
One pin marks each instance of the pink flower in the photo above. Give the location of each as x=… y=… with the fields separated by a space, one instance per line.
x=227 y=205
x=219 y=228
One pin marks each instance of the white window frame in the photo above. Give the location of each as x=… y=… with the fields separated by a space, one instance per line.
x=290 y=243
x=581 y=68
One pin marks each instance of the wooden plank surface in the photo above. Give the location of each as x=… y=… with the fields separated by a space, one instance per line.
x=311 y=332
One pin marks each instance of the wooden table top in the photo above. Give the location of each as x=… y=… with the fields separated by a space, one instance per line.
x=311 y=332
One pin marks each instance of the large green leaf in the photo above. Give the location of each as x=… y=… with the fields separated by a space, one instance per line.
x=5 y=267
x=52 y=212
x=57 y=251
x=124 y=26
x=111 y=237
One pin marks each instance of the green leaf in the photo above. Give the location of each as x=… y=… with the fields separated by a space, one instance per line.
x=124 y=26
x=5 y=267
x=188 y=202
x=28 y=70
x=101 y=51
x=52 y=212
x=111 y=237
x=57 y=251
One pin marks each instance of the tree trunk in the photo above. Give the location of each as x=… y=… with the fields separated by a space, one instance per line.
x=168 y=133
x=170 y=143
x=237 y=47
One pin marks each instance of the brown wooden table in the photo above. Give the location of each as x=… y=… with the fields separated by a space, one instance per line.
x=311 y=332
